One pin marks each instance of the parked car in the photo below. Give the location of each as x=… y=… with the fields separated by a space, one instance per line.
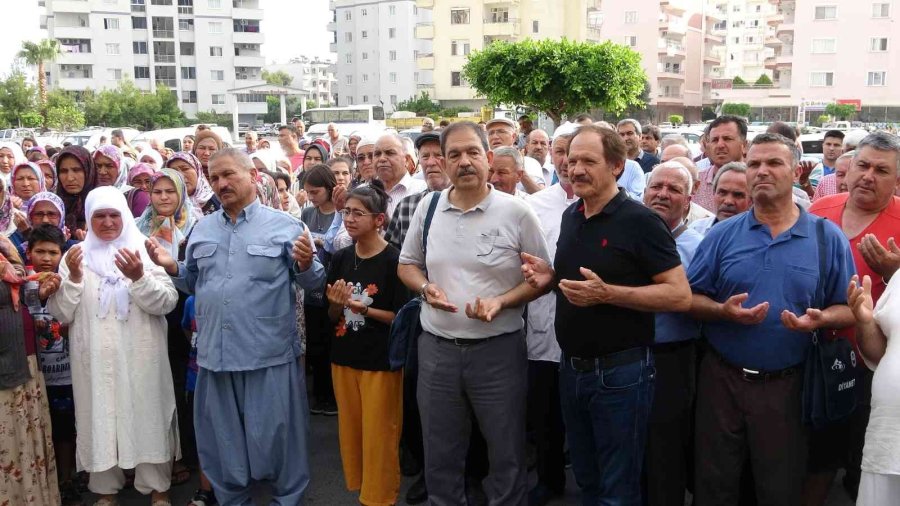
x=171 y=137
x=90 y=138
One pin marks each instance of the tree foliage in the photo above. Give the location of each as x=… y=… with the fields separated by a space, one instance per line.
x=676 y=119
x=213 y=118
x=62 y=112
x=738 y=80
x=278 y=78
x=17 y=99
x=842 y=112
x=557 y=77
x=129 y=106
x=37 y=54
x=422 y=105
x=737 y=109
x=764 y=80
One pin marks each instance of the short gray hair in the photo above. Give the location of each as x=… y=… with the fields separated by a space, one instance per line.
x=881 y=141
x=397 y=137
x=510 y=152
x=739 y=167
x=235 y=154
x=688 y=180
x=672 y=140
x=848 y=155
x=629 y=121
x=769 y=138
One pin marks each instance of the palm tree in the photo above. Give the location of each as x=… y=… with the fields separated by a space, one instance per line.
x=38 y=53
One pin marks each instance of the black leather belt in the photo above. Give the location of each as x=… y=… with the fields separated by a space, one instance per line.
x=753 y=375
x=628 y=356
x=466 y=342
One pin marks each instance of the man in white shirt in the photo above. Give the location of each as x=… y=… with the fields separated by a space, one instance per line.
x=537 y=146
x=732 y=196
x=392 y=165
x=502 y=132
x=507 y=170
x=339 y=143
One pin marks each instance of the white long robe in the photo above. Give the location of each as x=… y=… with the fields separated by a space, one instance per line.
x=124 y=398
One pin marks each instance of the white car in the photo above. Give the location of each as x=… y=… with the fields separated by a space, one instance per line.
x=90 y=138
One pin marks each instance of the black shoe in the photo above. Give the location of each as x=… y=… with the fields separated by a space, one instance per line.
x=203 y=498
x=319 y=407
x=475 y=495
x=409 y=466
x=69 y=494
x=329 y=408
x=540 y=495
x=417 y=492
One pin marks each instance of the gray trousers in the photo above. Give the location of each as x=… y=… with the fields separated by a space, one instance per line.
x=491 y=380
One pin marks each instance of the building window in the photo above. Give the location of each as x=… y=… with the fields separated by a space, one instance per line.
x=365 y=56
x=535 y=26
x=392 y=33
x=348 y=37
x=113 y=23
x=456 y=79
x=114 y=74
x=142 y=72
x=218 y=99
x=215 y=4
x=112 y=49
x=392 y=9
x=631 y=17
x=393 y=99
x=186 y=25
x=187 y=49
x=217 y=75
x=823 y=45
x=881 y=10
x=365 y=34
x=189 y=72
x=188 y=97
x=349 y=79
x=160 y=2
x=821 y=79
x=392 y=55
x=459 y=16
x=136 y=23
x=499 y=15
x=364 y=13
x=215 y=51
x=139 y=47
x=878 y=44
x=138 y=6
x=185 y=6
x=459 y=47
x=392 y=77
x=348 y=58
x=415 y=77
x=826 y=11
x=348 y=15
x=365 y=98
x=349 y=100
x=631 y=40
x=215 y=27
x=876 y=78
x=365 y=78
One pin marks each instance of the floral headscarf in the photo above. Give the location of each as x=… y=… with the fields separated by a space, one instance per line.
x=267 y=191
x=170 y=231
x=75 y=218
x=53 y=199
x=113 y=153
x=138 y=169
x=6 y=211
x=49 y=163
x=37 y=172
x=12 y=272
x=203 y=192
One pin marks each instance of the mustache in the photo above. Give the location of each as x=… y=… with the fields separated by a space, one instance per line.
x=581 y=178
x=466 y=171
x=728 y=208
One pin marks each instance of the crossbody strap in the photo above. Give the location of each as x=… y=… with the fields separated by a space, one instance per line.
x=821 y=248
x=432 y=206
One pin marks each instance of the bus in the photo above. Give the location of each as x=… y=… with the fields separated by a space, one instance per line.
x=364 y=118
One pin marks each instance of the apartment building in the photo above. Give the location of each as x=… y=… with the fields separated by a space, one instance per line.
x=675 y=38
x=376 y=46
x=827 y=51
x=315 y=76
x=197 y=48
x=749 y=29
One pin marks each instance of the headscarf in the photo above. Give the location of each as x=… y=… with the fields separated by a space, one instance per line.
x=18 y=157
x=75 y=204
x=154 y=154
x=140 y=147
x=207 y=134
x=113 y=153
x=49 y=163
x=37 y=172
x=267 y=191
x=170 y=231
x=203 y=191
x=7 y=226
x=99 y=255
x=267 y=157
x=12 y=271
x=53 y=199
x=322 y=146
x=138 y=169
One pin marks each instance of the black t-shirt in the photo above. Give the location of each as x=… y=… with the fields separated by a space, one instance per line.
x=358 y=341
x=625 y=244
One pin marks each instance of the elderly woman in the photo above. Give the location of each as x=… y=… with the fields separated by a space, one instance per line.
x=110 y=171
x=44 y=208
x=152 y=158
x=48 y=168
x=10 y=155
x=114 y=300
x=138 y=194
x=877 y=334
x=198 y=188
x=206 y=143
x=75 y=174
x=27 y=180
x=28 y=475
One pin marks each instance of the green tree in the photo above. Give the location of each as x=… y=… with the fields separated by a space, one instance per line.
x=422 y=105
x=738 y=80
x=129 y=106
x=39 y=53
x=16 y=98
x=557 y=77
x=842 y=112
x=823 y=118
x=213 y=117
x=764 y=80
x=310 y=104
x=737 y=109
x=62 y=112
x=676 y=119
x=278 y=78
x=707 y=114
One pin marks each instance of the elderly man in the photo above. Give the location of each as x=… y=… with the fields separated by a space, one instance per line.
x=537 y=146
x=726 y=141
x=669 y=450
x=250 y=140
x=869 y=216
x=427 y=125
x=365 y=161
x=609 y=281
x=472 y=354
x=630 y=130
x=671 y=140
x=507 y=170
x=250 y=403
x=338 y=142
x=392 y=165
x=835 y=182
x=749 y=387
x=650 y=140
x=695 y=212
x=502 y=132
x=732 y=196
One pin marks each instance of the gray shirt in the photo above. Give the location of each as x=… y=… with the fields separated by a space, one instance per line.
x=471 y=254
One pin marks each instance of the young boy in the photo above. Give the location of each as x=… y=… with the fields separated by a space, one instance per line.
x=45 y=250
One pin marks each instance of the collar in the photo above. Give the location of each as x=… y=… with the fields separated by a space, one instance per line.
x=799 y=229
x=404 y=181
x=482 y=206
x=709 y=174
x=640 y=155
x=247 y=213
x=611 y=207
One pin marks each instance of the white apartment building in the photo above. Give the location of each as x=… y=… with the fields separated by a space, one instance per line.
x=749 y=33
x=829 y=51
x=313 y=75
x=376 y=51
x=197 y=48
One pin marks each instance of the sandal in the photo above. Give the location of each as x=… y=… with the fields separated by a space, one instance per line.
x=180 y=476
x=203 y=498
x=106 y=502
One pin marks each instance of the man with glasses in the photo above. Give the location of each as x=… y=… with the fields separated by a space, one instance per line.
x=365 y=161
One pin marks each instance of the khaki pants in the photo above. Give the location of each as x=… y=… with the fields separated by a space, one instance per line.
x=147 y=478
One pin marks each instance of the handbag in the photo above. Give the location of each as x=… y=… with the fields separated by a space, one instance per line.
x=830 y=373
x=407 y=327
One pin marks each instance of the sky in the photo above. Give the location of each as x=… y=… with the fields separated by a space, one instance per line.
x=291 y=27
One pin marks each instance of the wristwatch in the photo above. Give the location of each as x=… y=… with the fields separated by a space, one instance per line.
x=422 y=289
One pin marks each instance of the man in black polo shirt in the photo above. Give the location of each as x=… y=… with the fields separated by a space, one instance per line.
x=616 y=264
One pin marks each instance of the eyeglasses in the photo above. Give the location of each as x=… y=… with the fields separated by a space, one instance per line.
x=42 y=215
x=356 y=213
x=362 y=157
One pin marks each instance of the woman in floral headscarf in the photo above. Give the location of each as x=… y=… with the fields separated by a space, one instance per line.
x=267 y=191
x=27 y=180
x=7 y=211
x=10 y=155
x=48 y=168
x=198 y=188
x=108 y=167
x=75 y=173
x=44 y=208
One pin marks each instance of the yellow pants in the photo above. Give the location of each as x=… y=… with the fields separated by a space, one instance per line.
x=370 y=414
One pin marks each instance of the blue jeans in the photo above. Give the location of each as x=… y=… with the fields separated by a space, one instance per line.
x=606 y=411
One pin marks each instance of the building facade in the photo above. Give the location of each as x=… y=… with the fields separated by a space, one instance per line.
x=376 y=46
x=313 y=75
x=199 y=49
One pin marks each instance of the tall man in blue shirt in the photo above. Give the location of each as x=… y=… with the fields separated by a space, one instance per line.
x=754 y=281
x=250 y=404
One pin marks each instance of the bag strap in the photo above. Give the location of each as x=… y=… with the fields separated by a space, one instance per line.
x=432 y=206
x=821 y=248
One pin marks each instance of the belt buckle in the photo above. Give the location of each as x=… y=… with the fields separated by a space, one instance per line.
x=460 y=342
x=750 y=374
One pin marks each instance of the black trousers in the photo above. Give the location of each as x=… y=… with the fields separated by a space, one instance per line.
x=318 y=352
x=670 y=452
x=546 y=424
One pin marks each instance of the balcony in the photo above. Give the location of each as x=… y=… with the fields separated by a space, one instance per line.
x=246 y=13
x=674 y=6
x=713 y=58
x=671 y=48
x=773 y=41
x=675 y=72
x=75 y=83
x=425 y=4
x=249 y=60
x=672 y=25
x=670 y=98
x=164 y=58
x=331 y=26
x=775 y=19
x=425 y=31
x=76 y=59
x=787 y=26
x=163 y=34
x=71 y=6
x=785 y=59
x=332 y=47
x=425 y=61
x=248 y=38
x=715 y=15
x=715 y=38
x=508 y=28
x=72 y=32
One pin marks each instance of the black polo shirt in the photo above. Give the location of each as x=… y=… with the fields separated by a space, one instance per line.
x=625 y=244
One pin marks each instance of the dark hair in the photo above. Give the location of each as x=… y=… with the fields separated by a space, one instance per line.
x=46 y=233
x=188 y=135
x=837 y=134
x=118 y=133
x=614 y=151
x=464 y=125
x=783 y=129
x=277 y=175
x=291 y=128
x=651 y=130
x=340 y=159
x=103 y=139
x=373 y=196
x=33 y=142
x=444 y=123
x=51 y=151
x=583 y=116
x=776 y=138
x=295 y=118
x=729 y=118
x=320 y=176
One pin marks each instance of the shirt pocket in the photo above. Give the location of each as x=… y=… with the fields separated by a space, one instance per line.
x=799 y=287
x=202 y=254
x=493 y=250
x=264 y=261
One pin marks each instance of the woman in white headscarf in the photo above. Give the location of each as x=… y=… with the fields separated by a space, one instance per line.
x=151 y=157
x=10 y=155
x=114 y=300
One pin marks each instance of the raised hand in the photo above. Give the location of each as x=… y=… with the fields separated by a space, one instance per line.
x=129 y=262
x=339 y=293
x=884 y=261
x=438 y=299
x=301 y=197
x=160 y=255
x=590 y=292
x=339 y=196
x=537 y=271
x=859 y=298
x=736 y=312
x=811 y=320
x=73 y=262
x=80 y=234
x=49 y=285
x=302 y=252
x=484 y=309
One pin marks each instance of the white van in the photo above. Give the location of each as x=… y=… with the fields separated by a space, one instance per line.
x=90 y=138
x=171 y=137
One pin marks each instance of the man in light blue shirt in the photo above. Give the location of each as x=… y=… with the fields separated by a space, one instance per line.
x=250 y=407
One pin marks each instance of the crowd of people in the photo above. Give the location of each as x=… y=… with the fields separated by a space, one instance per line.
x=598 y=297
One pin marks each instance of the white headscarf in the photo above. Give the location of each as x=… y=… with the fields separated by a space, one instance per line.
x=99 y=255
x=18 y=157
x=154 y=154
